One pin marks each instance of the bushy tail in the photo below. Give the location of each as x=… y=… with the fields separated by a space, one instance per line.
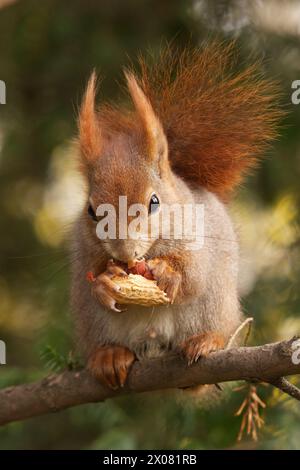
x=217 y=121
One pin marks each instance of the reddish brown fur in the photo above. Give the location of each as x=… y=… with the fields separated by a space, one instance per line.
x=201 y=345
x=217 y=122
x=208 y=125
x=89 y=130
x=110 y=364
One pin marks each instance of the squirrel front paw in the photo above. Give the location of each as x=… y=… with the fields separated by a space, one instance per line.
x=166 y=277
x=201 y=345
x=110 y=365
x=104 y=289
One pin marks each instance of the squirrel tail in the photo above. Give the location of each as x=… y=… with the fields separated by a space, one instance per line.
x=217 y=121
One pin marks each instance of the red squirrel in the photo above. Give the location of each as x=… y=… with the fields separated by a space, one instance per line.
x=194 y=130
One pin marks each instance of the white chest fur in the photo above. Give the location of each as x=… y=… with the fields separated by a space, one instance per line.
x=146 y=331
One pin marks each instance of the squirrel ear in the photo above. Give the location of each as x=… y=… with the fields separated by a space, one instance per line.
x=88 y=126
x=156 y=139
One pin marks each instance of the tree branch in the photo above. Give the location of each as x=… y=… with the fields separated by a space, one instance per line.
x=286 y=387
x=267 y=363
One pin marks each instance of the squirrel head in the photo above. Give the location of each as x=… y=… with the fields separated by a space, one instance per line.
x=217 y=123
x=123 y=154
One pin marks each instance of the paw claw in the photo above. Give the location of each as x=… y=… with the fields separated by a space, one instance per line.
x=104 y=289
x=201 y=345
x=110 y=365
x=167 y=279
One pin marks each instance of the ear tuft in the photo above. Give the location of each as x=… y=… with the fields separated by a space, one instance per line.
x=156 y=139
x=89 y=131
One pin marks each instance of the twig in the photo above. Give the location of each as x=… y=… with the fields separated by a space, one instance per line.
x=61 y=391
x=287 y=387
x=250 y=411
x=233 y=337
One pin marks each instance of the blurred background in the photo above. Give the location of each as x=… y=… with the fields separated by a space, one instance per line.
x=47 y=51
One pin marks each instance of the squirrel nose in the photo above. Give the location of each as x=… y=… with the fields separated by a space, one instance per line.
x=124 y=250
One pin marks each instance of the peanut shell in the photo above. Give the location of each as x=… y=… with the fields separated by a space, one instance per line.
x=136 y=289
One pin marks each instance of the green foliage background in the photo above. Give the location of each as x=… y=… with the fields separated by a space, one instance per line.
x=47 y=51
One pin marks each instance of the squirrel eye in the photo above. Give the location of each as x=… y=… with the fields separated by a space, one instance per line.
x=153 y=204
x=92 y=213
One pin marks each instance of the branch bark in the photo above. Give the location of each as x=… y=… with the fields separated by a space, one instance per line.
x=266 y=363
x=286 y=387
